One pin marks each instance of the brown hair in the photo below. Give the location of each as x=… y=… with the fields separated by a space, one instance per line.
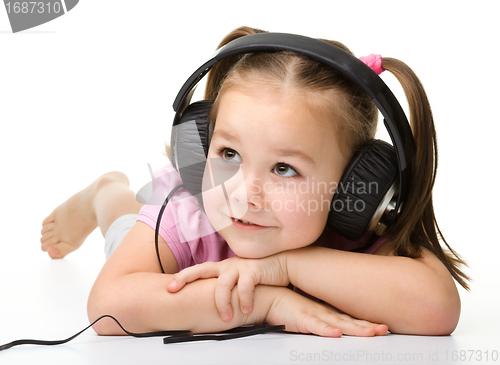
x=347 y=102
x=417 y=225
x=356 y=123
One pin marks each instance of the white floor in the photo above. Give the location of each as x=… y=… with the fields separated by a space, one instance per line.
x=46 y=299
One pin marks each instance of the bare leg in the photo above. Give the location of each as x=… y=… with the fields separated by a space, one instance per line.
x=98 y=205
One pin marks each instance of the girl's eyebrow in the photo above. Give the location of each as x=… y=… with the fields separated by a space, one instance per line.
x=220 y=133
x=282 y=152
x=286 y=152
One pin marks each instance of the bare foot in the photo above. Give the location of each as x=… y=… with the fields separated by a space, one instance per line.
x=67 y=227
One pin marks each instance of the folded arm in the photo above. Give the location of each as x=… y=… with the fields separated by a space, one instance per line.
x=411 y=296
x=131 y=288
x=141 y=303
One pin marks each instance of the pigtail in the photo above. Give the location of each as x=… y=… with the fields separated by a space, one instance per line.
x=417 y=225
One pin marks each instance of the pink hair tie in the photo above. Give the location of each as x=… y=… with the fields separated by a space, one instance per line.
x=374 y=61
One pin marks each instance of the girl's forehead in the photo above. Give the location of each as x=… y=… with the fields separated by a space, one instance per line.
x=277 y=123
x=280 y=111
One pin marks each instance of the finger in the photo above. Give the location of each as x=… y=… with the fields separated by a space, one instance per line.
x=192 y=273
x=246 y=287
x=319 y=327
x=379 y=329
x=351 y=328
x=225 y=284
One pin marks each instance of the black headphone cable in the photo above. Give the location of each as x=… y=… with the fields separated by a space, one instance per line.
x=160 y=214
x=172 y=336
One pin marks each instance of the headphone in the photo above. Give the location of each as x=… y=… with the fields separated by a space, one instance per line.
x=386 y=167
x=375 y=183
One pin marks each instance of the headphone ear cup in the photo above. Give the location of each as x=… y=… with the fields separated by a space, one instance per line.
x=189 y=145
x=365 y=182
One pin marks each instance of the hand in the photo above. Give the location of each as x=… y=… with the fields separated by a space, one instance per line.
x=301 y=314
x=247 y=273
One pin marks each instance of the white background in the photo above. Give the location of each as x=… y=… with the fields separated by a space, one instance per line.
x=92 y=91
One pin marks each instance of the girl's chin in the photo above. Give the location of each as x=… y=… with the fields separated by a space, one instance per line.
x=243 y=248
x=248 y=253
x=244 y=256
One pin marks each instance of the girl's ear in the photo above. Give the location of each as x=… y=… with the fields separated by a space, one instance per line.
x=190 y=145
x=364 y=192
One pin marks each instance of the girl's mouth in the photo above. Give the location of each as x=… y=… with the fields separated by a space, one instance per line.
x=245 y=222
x=245 y=225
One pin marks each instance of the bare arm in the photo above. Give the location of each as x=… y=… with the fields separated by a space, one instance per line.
x=412 y=296
x=132 y=288
x=142 y=304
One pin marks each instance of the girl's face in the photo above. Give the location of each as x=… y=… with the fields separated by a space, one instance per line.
x=285 y=164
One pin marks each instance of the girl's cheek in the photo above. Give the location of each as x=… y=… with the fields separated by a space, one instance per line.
x=309 y=205
x=288 y=204
x=212 y=202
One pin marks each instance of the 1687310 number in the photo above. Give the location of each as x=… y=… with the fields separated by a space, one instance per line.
x=32 y=7
x=472 y=355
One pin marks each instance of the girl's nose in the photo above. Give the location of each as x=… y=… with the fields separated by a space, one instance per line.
x=245 y=188
x=241 y=187
x=218 y=172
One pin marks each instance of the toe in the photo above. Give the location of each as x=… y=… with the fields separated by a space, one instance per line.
x=59 y=250
x=47 y=228
x=49 y=242
x=49 y=219
x=54 y=253
x=46 y=236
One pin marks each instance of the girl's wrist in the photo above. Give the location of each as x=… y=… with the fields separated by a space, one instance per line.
x=296 y=259
x=287 y=260
x=283 y=263
x=265 y=297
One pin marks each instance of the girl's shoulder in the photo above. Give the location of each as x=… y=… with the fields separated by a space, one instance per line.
x=184 y=224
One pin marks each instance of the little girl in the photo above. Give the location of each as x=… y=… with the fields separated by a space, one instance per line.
x=252 y=252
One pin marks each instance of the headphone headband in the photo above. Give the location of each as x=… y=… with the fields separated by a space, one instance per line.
x=346 y=64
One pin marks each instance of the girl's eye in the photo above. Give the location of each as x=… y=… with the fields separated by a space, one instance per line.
x=230 y=155
x=282 y=169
